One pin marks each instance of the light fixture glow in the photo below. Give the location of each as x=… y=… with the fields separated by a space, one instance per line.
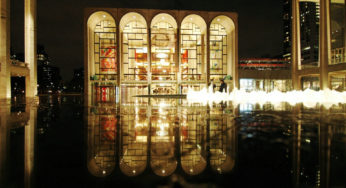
x=161 y=55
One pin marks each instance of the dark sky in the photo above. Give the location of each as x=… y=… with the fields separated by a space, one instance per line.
x=60 y=25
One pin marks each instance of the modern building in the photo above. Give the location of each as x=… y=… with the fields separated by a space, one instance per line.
x=49 y=78
x=317 y=41
x=309 y=31
x=151 y=51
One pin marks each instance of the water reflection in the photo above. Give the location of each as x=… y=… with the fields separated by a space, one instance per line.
x=162 y=136
x=14 y=116
x=155 y=139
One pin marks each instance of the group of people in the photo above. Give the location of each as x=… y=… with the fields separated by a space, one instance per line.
x=223 y=85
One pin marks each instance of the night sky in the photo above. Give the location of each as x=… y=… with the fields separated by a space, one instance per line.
x=60 y=25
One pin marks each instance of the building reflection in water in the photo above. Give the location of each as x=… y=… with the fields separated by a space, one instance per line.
x=160 y=135
x=17 y=114
x=166 y=136
x=101 y=140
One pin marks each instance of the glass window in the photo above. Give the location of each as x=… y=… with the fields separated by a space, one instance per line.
x=163 y=41
x=337 y=23
x=218 y=52
x=191 y=52
x=309 y=33
x=105 y=51
x=135 y=51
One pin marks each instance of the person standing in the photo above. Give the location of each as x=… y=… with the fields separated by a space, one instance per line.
x=223 y=86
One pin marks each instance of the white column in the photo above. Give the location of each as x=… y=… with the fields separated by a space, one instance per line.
x=5 y=77
x=325 y=45
x=30 y=46
x=295 y=48
x=4 y=140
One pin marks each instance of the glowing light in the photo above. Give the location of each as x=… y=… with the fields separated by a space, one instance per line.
x=104 y=16
x=161 y=55
x=308 y=98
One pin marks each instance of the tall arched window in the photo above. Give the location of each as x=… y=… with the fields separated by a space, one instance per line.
x=192 y=48
x=105 y=50
x=163 y=48
x=102 y=56
x=218 y=51
x=134 y=41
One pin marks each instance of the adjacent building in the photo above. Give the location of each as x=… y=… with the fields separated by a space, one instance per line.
x=314 y=41
x=264 y=74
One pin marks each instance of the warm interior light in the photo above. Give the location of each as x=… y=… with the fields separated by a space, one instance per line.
x=161 y=55
x=104 y=16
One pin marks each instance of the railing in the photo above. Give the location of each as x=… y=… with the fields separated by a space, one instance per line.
x=338 y=56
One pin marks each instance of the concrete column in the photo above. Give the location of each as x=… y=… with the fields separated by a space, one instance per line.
x=236 y=63
x=177 y=60
x=88 y=57
x=208 y=54
x=325 y=45
x=295 y=45
x=4 y=140
x=30 y=45
x=344 y=54
x=149 y=58
x=5 y=77
x=118 y=52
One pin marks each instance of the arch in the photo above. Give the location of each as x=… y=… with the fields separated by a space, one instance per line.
x=163 y=162
x=134 y=47
x=131 y=17
x=97 y=170
x=193 y=163
x=196 y=19
x=222 y=49
x=164 y=62
x=193 y=48
x=101 y=51
x=97 y=17
x=164 y=17
x=225 y=21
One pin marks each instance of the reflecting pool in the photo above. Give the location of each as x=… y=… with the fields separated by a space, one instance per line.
x=65 y=141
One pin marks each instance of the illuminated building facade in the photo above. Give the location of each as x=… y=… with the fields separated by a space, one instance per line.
x=158 y=51
x=321 y=23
